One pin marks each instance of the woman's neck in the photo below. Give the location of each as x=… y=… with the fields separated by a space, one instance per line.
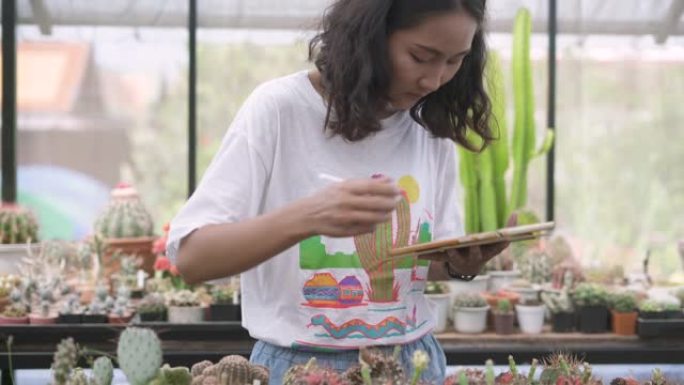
x=317 y=82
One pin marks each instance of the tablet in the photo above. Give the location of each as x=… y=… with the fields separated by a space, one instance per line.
x=510 y=234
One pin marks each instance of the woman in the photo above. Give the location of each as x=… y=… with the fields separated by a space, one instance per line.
x=322 y=172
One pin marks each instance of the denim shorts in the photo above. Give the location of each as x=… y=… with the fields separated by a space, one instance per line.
x=279 y=359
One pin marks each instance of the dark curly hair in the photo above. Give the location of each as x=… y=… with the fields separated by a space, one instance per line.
x=351 y=53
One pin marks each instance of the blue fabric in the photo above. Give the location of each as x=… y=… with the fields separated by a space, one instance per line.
x=279 y=359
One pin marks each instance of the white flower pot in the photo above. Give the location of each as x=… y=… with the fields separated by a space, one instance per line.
x=186 y=314
x=470 y=319
x=530 y=318
x=501 y=279
x=12 y=254
x=527 y=294
x=477 y=285
x=439 y=304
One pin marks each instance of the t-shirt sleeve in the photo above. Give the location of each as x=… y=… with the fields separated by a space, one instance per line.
x=233 y=185
x=448 y=219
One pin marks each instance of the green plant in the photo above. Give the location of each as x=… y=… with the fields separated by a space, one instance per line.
x=483 y=174
x=624 y=302
x=153 y=303
x=469 y=300
x=17 y=224
x=103 y=371
x=376 y=368
x=557 y=302
x=657 y=306
x=185 y=298
x=590 y=294
x=125 y=216
x=436 y=287
x=503 y=306
x=139 y=355
x=64 y=360
x=224 y=294
x=230 y=370
x=564 y=369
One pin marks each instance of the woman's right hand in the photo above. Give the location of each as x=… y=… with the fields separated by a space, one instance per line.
x=351 y=207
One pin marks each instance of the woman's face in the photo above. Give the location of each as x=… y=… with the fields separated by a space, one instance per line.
x=426 y=56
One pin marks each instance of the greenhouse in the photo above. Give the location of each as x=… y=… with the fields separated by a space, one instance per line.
x=342 y=192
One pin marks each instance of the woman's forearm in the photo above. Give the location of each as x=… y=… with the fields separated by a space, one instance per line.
x=218 y=251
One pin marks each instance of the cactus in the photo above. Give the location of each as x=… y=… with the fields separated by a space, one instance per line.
x=64 y=360
x=374 y=253
x=312 y=374
x=172 y=376
x=103 y=371
x=469 y=300
x=557 y=302
x=535 y=266
x=139 y=355
x=382 y=368
x=562 y=369
x=79 y=377
x=230 y=370
x=590 y=294
x=482 y=175
x=125 y=216
x=17 y=224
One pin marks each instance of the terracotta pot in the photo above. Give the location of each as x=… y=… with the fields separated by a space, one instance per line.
x=36 y=319
x=624 y=324
x=141 y=246
x=120 y=320
x=13 y=320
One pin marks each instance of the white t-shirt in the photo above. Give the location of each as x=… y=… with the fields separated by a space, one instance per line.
x=326 y=292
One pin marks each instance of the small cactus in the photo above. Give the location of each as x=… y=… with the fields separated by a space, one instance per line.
x=64 y=361
x=382 y=368
x=469 y=300
x=79 y=377
x=103 y=371
x=125 y=216
x=172 y=376
x=312 y=374
x=17 y=224
x=139 y=355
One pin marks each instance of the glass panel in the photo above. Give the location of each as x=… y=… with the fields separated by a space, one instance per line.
x=99 y=104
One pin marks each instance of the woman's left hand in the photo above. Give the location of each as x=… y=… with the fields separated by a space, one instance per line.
x=471 y=260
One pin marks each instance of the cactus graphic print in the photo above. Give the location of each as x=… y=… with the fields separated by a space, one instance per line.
x=368 y=281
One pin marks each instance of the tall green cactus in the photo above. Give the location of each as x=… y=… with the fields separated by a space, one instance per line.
x=374 y=253
x=139 y=354
x=483 y=174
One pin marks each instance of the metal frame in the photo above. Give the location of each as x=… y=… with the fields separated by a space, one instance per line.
x=9 y=101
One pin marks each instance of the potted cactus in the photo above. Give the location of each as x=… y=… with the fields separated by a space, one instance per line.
x=470 y=313
x=225 y=303
x=17 y=311
x=504 y=317
x=152 y=308
x=591 y=301
x=624 y=313
x=560 y=305
x=659 y=309
x=127 y=227
x=18 y=233
x=184 y=307
x=71 y=311
x=96 y=312
x=120 y=312
x=526 y=290
x=46 y=299
x=437 y=293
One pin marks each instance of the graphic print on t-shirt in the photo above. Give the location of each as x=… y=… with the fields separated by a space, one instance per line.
x=368 y=278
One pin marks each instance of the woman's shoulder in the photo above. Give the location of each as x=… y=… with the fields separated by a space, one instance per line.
x=284 y=90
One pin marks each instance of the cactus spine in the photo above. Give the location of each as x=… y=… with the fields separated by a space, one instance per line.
x=139 y=355
x=17 y=224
